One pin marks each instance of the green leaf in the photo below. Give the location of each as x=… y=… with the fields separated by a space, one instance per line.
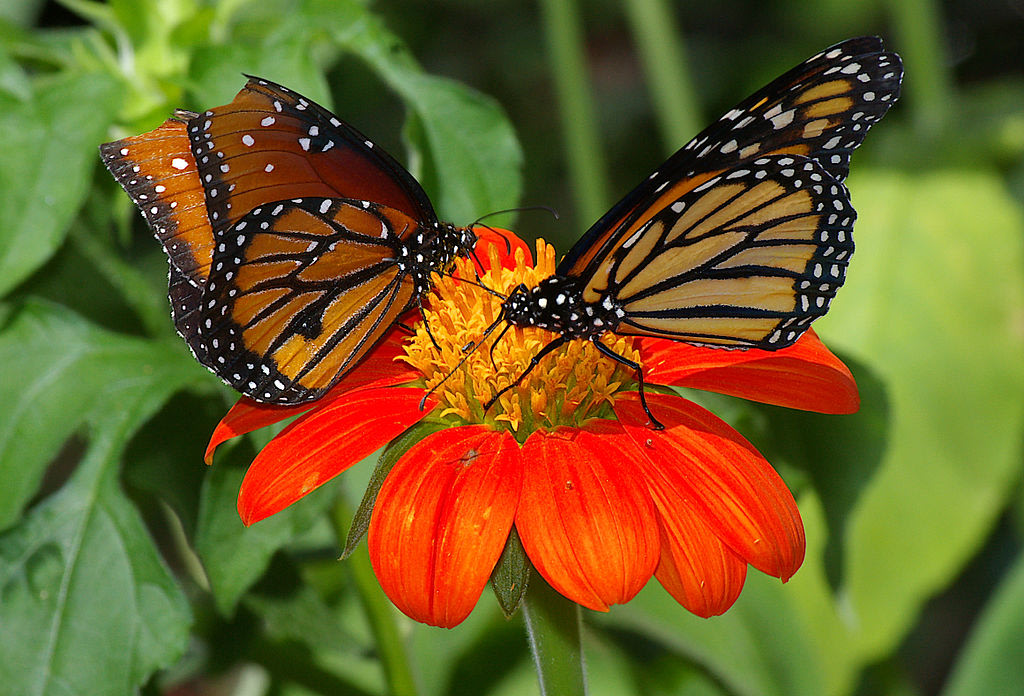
x=511 y=575
x=757 y=648
x=465 y=151
x=235 y=556
x=284 y=55
x=932 y=306
x=14 y=81
x=777 y=640
x=20 y=12
x=49 y=145
x=58 y=372
x=481 y=651
x=990 y=662
x=305 y=639
x=840 y=454
x=473 y=150
x=87 y=605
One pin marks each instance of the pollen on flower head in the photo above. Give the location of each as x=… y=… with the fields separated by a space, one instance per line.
x=570 y=385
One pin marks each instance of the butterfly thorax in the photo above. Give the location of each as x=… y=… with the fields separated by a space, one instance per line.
x=556 y=304
x=434 y=250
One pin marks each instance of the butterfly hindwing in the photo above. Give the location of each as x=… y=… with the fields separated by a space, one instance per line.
x=271 y=144
x=747 y=259
x=184 y=298
x=299 y=291
x=821 y=109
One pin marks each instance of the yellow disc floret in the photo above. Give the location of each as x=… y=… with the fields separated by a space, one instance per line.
x=570 y=385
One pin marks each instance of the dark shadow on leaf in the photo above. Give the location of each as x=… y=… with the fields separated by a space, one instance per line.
x=839 y=454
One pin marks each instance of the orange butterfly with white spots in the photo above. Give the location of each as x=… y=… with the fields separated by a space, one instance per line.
x=294 y=242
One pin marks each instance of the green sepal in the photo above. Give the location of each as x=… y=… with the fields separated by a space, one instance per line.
x=511 y=575
x=391 y=454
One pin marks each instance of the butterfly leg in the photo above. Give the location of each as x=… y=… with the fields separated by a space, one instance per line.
x=534 y=361
x=496 y=342
x=655 y=423
x=467 y=351
x=426 y=325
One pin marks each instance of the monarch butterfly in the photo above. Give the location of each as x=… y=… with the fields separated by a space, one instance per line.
x=742 y=238
x=294 y=242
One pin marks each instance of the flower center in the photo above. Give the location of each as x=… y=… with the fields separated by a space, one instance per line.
x=570 y=385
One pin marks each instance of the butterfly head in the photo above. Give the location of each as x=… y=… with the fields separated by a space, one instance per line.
x=434 y=251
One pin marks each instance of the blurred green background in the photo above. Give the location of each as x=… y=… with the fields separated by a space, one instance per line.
x=123 y=565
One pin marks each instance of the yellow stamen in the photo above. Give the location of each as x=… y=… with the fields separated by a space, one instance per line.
x=572 y=384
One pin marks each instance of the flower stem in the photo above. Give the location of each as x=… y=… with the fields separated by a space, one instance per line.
x=562 y=27
x=553 y=626
x=661 y=49
x=919 y=26
x=379 y=612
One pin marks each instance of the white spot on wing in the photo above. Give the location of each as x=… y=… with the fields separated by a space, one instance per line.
x=783 y=119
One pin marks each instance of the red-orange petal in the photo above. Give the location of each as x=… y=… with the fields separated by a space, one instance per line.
x=585 y=517
x=441 y=521
x=323 y=443
x=699 y=458
x=378 y=369
x=506 y=242
x=697 y=569
x=806 y=376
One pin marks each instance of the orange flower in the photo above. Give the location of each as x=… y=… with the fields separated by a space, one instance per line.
x=599 y=500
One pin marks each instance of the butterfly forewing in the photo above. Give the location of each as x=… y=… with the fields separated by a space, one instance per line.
x=821 y=109
x=747 y=259
x=271 y=144
x=299 y=291
x=158 y=172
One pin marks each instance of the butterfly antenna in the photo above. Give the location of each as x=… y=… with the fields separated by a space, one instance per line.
x=622 y=360
x=514 y=210
x=520 y=289
x=490 y=291
x=496 y=342
x=508 y=246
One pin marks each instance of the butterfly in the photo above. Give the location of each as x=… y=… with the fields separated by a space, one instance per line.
x=741 y=239
x=294 y=242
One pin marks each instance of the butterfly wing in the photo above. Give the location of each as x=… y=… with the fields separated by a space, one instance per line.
x=300 y=290
x=158 y=172
x=201 y=173
x=272 y=144
x=821 y=109
x=184 y=298
x=199 y=176
x=747 y=259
